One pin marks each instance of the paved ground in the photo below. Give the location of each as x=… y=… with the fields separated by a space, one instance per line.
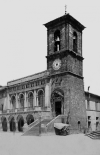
x=15 y=144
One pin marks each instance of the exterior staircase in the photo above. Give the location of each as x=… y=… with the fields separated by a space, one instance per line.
x=43 y=126
x=94 y=134
x=34 y=128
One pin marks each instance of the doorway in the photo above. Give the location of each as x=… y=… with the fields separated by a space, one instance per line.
x=58 y=108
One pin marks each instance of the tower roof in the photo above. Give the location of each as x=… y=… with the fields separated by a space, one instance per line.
x=66 y=18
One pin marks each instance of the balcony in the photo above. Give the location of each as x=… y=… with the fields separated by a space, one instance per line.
x=25 y=109
x=4 y=112
x=11 y=110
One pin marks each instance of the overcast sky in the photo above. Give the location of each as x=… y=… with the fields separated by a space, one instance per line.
x=23 y=38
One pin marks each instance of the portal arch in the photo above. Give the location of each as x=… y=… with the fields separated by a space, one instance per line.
x=57 y=102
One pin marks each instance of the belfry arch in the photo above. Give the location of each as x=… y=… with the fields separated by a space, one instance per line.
x=57 y=102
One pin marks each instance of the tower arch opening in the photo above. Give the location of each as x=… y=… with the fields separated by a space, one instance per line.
x=57 y=99
x=57 y=40
x=75 y=42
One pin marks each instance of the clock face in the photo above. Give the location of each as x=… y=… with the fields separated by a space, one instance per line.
x=56 y=64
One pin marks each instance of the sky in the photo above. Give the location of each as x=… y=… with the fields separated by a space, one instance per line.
x=23 y=37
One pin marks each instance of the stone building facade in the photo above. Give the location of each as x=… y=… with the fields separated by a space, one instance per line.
x=59 y=89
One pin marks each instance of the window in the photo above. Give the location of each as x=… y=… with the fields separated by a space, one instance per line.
x=97 y=124
x=75 y=42
x=89 y=124
x=89 y=117
x=41 y=98
x=30 y=99
x=57 y=40
x=79 y=125
x=97 y=118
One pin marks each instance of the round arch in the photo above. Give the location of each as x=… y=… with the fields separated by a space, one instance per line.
x=21 y=100
x=29 y=119
x=40 y=90
x=20 y=120
x=12 y=96
x=40 y=97
x=30 y=99
x=74 y=41
x=29 y=93
x=12 y=124
x=13 y=101
x=4 y=124
x=21 y=94
x=10 y=117
x=57 y=100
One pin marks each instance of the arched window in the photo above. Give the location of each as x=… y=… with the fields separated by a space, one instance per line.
x=30 y=99
x=40 y=98
x=21 y=100
x=79 y=125
x=13 y=102
x=57 y=40
x=75 y=42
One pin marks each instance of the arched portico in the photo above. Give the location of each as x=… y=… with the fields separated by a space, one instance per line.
x=20 y=120
x=12 y=124
x=57 y=100
x=29 y=119
x=4 y=123
x=30 y=99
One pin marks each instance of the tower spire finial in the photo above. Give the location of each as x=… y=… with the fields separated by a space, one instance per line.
x=65 y=9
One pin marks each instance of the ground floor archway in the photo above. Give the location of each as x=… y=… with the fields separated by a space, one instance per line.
x=30 y=119
x=20 y=124
x=4 y=124
x=57 y=101
x=12 y=124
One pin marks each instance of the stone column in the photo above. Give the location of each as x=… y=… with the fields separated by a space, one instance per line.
x=47 y=96
x=37 y=100
x=16 y=126
x=8 y=103
x=17 y=106
x=25 y=102
x=8 y=126
x=34 y=103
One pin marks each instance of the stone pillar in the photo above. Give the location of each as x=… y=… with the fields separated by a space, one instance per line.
x=34 y=103
x=16 y=126
x=8 y=102
x=25 y=102
x=47 y=96
x=17 y=106
x=37 y=100
x=8 y=126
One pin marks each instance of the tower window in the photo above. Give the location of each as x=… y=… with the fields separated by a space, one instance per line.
x=57 y=40
x=75 y=42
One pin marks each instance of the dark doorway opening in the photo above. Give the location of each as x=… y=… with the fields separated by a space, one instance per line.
x=58 y=108
x=4 y=124
x=12 y=125
x=30 y=119
x=20 y=124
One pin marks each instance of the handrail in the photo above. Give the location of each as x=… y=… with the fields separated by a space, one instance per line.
x=55 y=119
x=33 y=124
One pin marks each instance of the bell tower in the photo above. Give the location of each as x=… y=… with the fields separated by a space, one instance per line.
x=65 y=64
x=64 y=45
